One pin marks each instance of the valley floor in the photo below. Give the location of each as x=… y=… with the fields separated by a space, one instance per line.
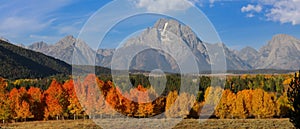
x=185 y=124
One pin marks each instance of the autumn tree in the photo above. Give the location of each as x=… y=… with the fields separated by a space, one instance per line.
x=179 y=105
x=226 y=105
x=14 y=98
x=196 y=110
x=115 y=100
x=5 y=112
x=213 y=95
x=56 y=101
x=248 y=95
x=20 y=104
x=90 y=94
x=283 y=105
x=24 y=110
x=257 y=102
x=263 y=105
x=74 y=106
x=142 y=97
x=159 y=105
x=36 y=104
x=269 y=108
x=294 y=99
x=185 y=103
x=240 y=110
x=171 y=98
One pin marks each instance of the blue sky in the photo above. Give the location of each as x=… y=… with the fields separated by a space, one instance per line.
x=239 y=23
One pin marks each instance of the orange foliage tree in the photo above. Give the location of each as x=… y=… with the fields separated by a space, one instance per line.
x=36 y=104
x=20 y=104
x=74 y=106
x=56 y=101
x=142 y=98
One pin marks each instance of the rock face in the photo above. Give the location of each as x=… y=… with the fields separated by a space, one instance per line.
x=39 y=47
x=104 y=57
x=167 y=32
x=171 y=34
x=173 y=38
x=233 y=61
x=248 y=55
x=64 y=49
x=4 y=39
x=282 y=52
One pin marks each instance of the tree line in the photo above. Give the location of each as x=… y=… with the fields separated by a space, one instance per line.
x=90 y=97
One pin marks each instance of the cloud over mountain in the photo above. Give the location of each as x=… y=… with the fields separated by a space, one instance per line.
x=283 y=11
x=164 y=5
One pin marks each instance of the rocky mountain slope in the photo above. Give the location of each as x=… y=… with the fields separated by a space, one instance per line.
x=248 y=55
x=64 y=50
x=282 y=52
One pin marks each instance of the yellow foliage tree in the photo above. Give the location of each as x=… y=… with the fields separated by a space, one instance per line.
x=213 y=95
x=257 y=103
x=240 y=110
x=226 y=105
x=269 y=108
x=263 y=105
x=283 y=105
x=171 y=98
x=181 y=106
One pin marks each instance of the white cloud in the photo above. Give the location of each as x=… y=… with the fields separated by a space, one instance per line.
x=250 y=15
x=267 y=2
x=23 y=18
x=285 y=11
x=211 y=3
x=252 y=8
x=21 y=24
x=164 y=5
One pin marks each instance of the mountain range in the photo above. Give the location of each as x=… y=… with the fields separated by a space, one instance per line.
x=281 y=52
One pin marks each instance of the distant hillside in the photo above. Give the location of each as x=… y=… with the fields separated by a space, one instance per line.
x=17 y=62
